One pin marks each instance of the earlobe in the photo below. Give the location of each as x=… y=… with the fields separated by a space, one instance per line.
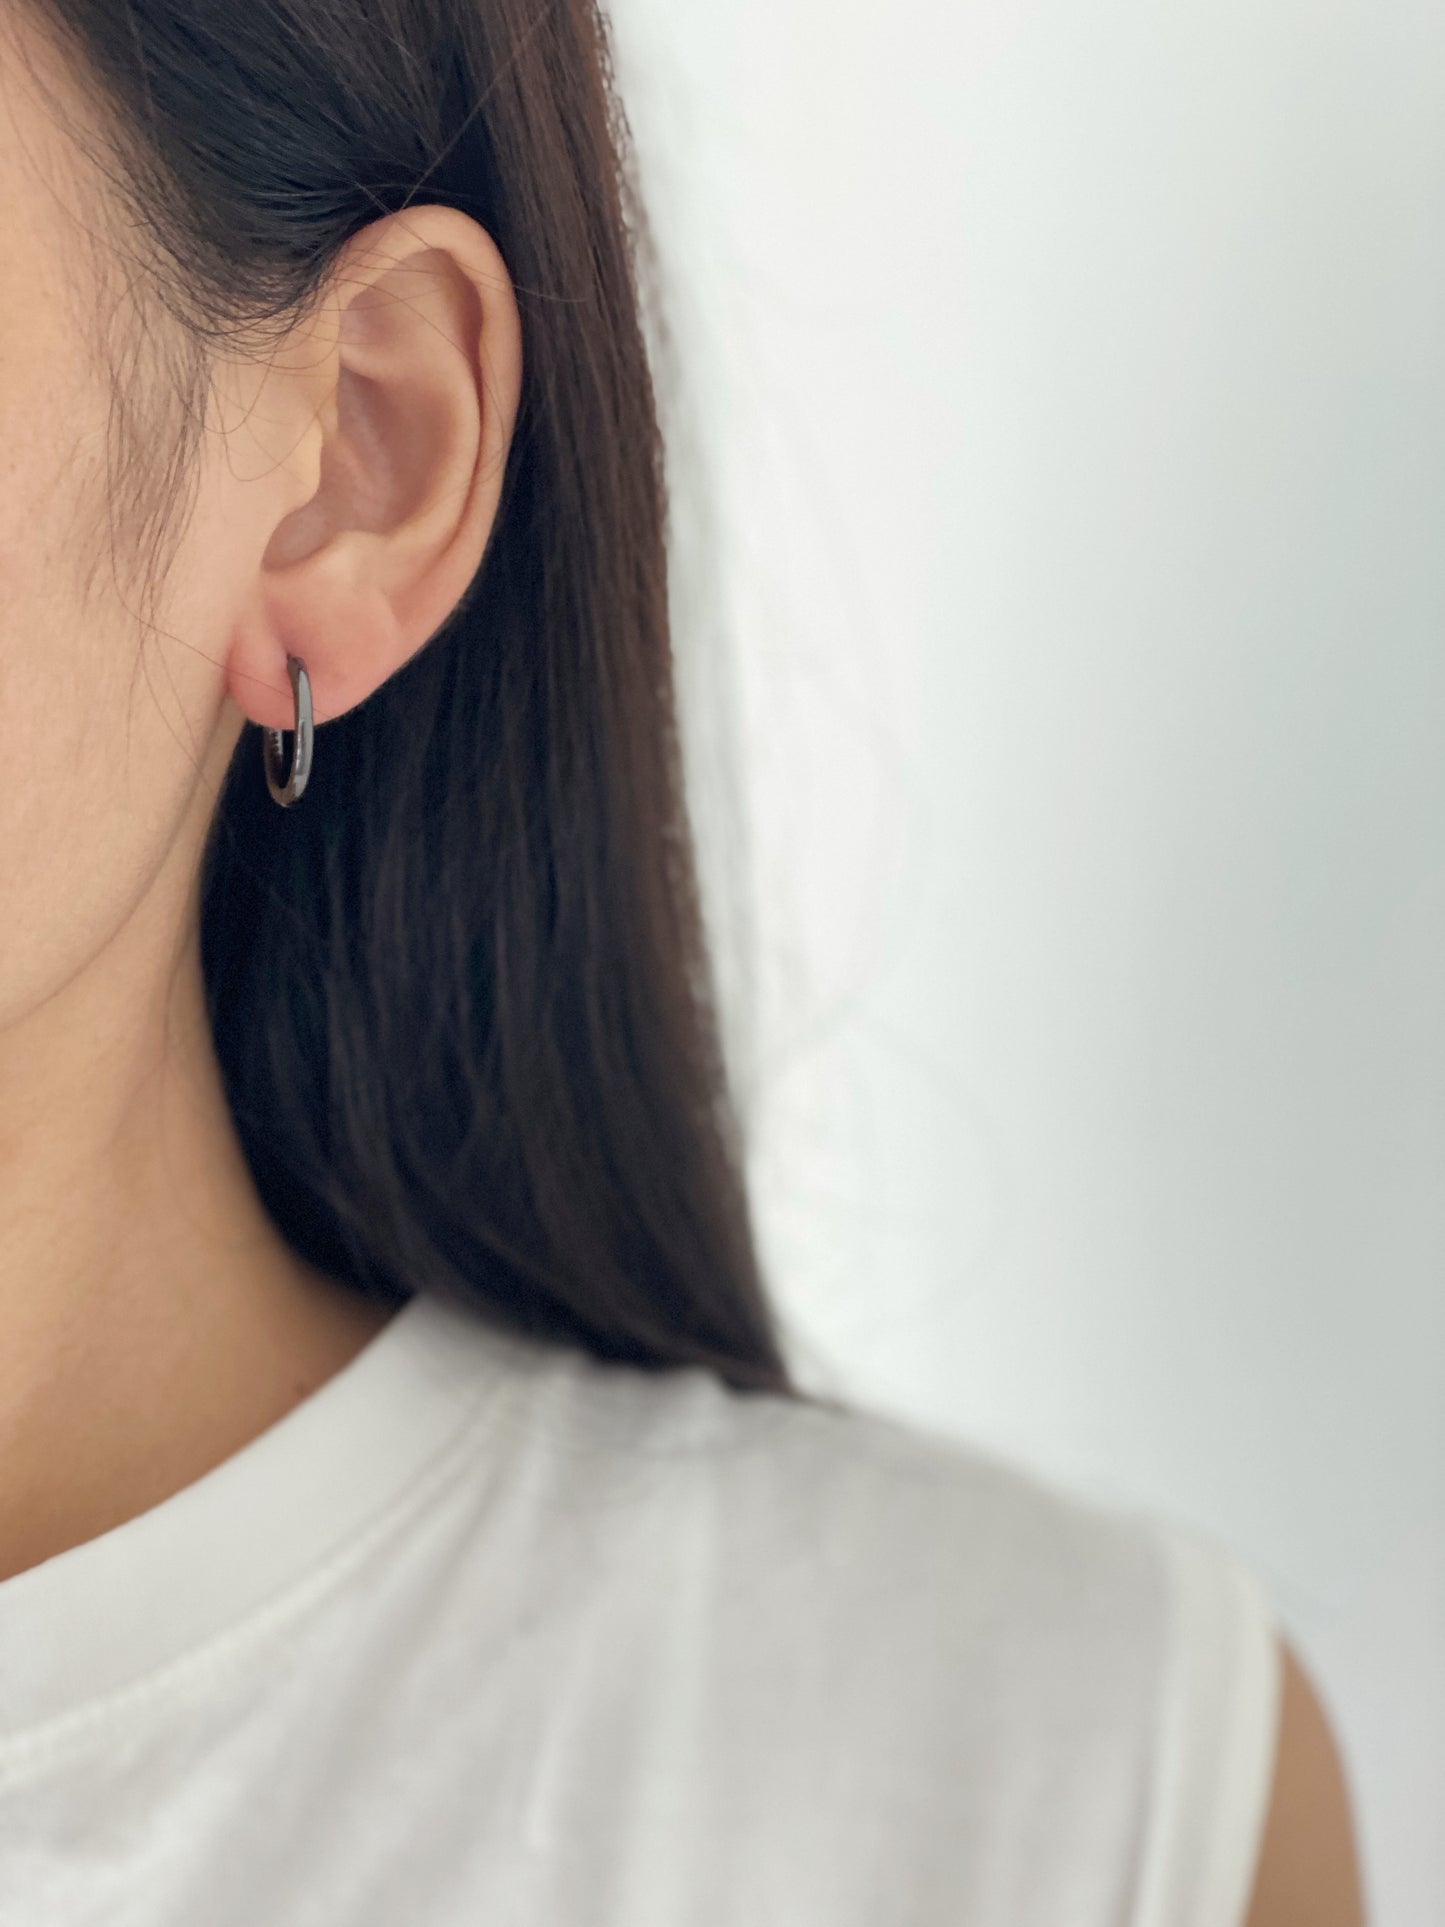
x=405 y=392
x=342 y=625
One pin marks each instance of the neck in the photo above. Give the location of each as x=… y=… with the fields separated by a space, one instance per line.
x=154 y=1318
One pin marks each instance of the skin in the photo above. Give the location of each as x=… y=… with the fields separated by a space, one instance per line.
x=1309 y=1872
x=155 y=1321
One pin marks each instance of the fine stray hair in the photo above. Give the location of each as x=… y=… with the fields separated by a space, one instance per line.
x=461 y=995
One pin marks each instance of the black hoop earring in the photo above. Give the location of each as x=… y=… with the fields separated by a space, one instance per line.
x=273 y=750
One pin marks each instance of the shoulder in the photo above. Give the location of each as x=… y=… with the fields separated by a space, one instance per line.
x=1308 y=1868
x=1081 y=1695
x=900 y=1546
x=848 y=1491
x=958 y=1591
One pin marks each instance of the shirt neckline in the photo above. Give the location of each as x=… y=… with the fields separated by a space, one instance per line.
x=102 y=1614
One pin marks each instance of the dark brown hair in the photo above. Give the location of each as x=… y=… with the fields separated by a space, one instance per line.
x=460 y=993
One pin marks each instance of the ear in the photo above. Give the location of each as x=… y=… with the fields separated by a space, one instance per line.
x=395 y=403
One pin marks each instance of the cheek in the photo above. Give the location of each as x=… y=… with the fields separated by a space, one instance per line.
x=51 y=494
x=101 y=726
x=64 y=847
x=47 y=659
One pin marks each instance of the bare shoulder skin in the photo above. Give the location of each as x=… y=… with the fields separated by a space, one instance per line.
x=1308 y=1873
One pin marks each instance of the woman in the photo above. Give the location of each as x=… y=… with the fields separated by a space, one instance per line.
x=407 y=1513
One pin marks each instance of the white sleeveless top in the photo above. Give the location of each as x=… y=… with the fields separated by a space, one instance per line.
x=488 y=1632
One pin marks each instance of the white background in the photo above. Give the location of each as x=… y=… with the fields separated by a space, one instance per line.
x=1069 y=386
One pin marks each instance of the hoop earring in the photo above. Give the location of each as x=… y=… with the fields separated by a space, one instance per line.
x=272 y=748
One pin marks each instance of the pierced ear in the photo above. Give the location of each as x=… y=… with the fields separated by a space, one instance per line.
x=402 y=394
